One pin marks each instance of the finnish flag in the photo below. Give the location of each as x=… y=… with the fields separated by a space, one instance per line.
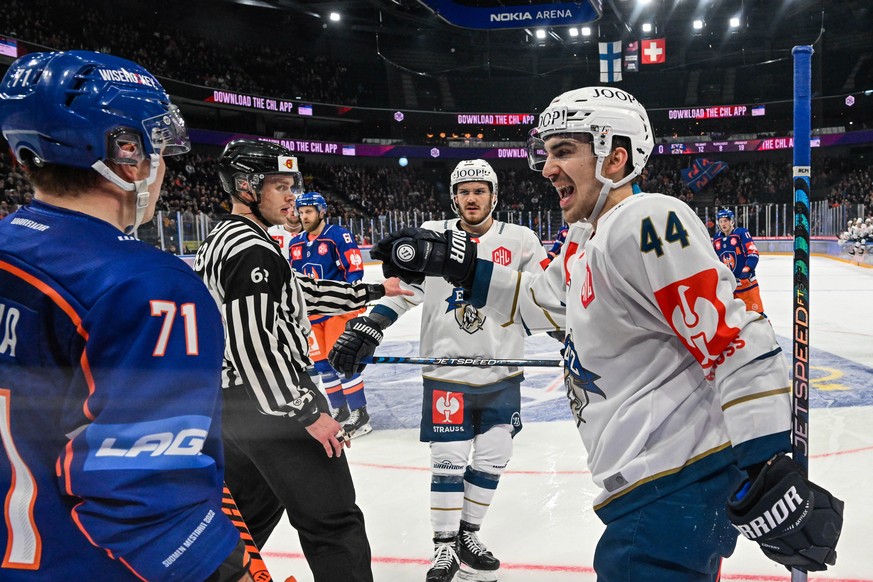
x=610 y=61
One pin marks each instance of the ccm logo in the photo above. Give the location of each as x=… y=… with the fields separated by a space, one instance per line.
x=775 y=516
x=188 y=442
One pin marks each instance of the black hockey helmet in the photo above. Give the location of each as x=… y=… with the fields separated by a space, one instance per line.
x=246 y=162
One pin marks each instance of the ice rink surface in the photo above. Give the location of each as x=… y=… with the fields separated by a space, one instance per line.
x=540 y=524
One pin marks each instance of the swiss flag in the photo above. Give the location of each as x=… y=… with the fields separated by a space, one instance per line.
x=653 y=51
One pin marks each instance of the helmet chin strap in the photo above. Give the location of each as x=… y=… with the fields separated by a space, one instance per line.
x=608 y=186
x=140 y=187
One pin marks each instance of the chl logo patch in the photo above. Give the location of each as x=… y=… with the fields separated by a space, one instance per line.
x=501 y=256
x=697 y=315
x=448 y=407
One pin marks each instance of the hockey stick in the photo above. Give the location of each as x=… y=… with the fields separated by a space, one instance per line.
x=800 y=359
x=257 y=567
x=478 y=362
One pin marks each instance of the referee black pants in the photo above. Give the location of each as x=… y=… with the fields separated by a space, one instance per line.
x=273 y=465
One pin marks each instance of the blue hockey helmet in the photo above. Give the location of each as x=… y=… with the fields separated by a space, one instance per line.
x=311 y=199
x=725 y=213
x=77 y=108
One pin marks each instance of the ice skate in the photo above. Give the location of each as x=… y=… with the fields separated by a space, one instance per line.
x=358 y=423
x=341 y=414
x=445 y=561
x=477 y=563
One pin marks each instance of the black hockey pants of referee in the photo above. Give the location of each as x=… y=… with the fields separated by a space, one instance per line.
x=273 y=465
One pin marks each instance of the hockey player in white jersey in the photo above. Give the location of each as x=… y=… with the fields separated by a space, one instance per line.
x=283 y=233
x=469 y=416
x=680 y=394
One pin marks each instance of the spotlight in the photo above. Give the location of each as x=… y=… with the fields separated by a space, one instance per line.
x=698 y=24
x=574 y=32
x=586 y=31
x=403 y=162
x=647 y=27
x=334 y=17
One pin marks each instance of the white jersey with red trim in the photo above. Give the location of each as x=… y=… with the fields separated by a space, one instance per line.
x=282 y=236
x=453 y=328
x=665 y=370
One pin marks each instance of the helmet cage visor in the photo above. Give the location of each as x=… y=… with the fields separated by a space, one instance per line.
x=167 y=133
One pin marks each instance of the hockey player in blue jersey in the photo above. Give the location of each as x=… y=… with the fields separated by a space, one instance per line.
x=736 y=249
x=560 y=238
x=328 y=251
x=110 y=412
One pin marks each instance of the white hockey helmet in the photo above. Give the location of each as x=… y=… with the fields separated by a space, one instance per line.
x=602 y=113
x=473 y=171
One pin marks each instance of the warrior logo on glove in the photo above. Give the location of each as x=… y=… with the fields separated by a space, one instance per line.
x=405 y=252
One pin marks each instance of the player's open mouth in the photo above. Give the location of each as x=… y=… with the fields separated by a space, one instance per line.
x=565 y=193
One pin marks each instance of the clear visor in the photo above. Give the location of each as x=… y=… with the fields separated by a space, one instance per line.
x=280 y=180
x=537 y=155
x=124 y=146
x=167 y=133
x=536 y=151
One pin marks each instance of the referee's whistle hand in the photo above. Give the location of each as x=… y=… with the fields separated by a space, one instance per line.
x=325 y=430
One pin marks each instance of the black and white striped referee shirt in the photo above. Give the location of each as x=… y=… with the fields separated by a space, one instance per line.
x=265 y=306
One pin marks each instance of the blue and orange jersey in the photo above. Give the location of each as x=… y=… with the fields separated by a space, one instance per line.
x=737 y=250
x=333 y=255
x=559 y=242
x=112 y=471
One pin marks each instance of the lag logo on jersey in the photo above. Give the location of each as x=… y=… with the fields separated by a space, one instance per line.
x=578 y=381
x=468 y=317
x=501 y=256
x=697 y=315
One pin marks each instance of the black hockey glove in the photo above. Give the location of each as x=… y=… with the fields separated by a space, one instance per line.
x=412 y=253
x=796 y=522
x=358 y=341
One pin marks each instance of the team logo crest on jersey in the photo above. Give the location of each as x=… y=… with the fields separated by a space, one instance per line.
x=570 y=257
x=296 y=253
x=501 y=256
x=448 y=407
x=718 y=245
x=322 y=249
x=579 y=381
x=697 y=315
x=729 y=259
x=468 y=317
x=587 y=288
